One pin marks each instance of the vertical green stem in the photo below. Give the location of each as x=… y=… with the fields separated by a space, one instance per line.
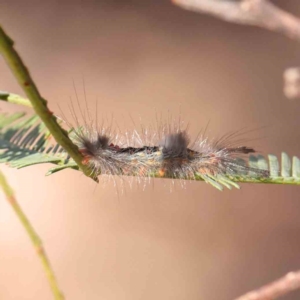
x=36 y=241
x=39 y=104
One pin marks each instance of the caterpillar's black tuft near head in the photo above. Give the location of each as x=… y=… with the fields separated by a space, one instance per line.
x=91 y=144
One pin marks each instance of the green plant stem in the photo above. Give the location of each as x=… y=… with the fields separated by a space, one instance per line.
x=36 y=241
x=39 y=104
x=14 y=98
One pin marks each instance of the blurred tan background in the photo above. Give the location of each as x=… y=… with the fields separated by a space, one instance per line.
x=138 y=58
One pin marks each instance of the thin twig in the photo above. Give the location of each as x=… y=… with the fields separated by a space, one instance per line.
x=36 y=241
x=260 y=13
x=14 y=98
x=276 y=289
x=39 y=104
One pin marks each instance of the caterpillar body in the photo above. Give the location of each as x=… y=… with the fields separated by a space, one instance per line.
x=171 y=156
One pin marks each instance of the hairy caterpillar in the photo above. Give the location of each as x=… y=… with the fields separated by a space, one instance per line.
x=163 y=152
x=171 y=156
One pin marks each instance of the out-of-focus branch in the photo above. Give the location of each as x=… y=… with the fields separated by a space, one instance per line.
x=260 y=13
x=36 y=241
x=276 y=289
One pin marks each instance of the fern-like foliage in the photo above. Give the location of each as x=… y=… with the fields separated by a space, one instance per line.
x=25 y=141
x=286 y=173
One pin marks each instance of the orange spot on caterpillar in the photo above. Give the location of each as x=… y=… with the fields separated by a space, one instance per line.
x=85 y=160
x=161 y=172
x=204 y=171
x=26 y=83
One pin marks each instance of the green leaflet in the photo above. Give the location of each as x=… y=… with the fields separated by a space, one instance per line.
x=24 y=141
x=71 y=164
